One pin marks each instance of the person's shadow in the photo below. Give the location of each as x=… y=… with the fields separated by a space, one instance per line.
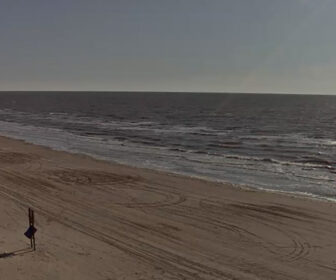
x=15 y=253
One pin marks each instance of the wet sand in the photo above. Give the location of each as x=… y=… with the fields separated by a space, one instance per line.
x=98 y=220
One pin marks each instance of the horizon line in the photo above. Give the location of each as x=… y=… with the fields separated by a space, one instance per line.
x=153 y=91
x=143 y=91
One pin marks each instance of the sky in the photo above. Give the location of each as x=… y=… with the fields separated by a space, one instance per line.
x=282 y=46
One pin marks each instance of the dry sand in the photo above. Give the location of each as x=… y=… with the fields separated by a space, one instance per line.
x=96 y=220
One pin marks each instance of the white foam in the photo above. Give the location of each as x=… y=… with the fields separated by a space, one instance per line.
x=242 y=170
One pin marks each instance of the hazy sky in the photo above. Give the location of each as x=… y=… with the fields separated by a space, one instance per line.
x=169 y=45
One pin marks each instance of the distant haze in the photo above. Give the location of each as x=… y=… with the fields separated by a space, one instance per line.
x=168 y=45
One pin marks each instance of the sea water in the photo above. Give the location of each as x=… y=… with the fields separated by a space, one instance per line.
x=276 y=142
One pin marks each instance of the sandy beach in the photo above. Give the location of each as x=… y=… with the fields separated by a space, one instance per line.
x=97 y=220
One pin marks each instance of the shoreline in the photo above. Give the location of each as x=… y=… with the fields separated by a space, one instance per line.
x=185 y=175
x=98 y=220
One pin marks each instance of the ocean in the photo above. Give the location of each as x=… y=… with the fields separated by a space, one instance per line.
x=275 y=142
